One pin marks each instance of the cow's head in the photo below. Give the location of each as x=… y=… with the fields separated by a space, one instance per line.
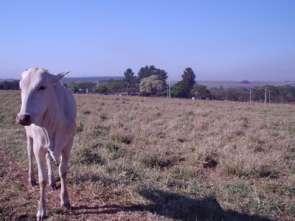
x=37 y=95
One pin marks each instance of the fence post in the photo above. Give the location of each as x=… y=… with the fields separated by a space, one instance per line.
x=265 y=97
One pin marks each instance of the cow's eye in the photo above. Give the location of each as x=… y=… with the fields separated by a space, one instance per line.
x=41 y=88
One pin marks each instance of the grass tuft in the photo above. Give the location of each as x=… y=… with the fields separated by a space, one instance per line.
x=87 y=157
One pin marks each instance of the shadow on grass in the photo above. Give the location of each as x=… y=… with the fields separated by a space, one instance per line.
x=174 y=206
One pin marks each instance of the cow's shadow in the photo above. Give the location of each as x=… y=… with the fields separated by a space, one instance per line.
x=173 y=205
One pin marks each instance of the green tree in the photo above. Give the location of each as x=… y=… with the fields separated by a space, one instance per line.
x=152 y=86
x=152 y=70
x=131 y=81
x=183 y=88
x=129 y=76
x=188 y=77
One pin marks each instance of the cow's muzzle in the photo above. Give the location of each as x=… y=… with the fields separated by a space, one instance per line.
x=23 y=119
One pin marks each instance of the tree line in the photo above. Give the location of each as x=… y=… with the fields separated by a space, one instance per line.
x=152 y=81
x=9 y=85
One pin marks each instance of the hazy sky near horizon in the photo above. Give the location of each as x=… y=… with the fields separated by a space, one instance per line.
x=220 y=40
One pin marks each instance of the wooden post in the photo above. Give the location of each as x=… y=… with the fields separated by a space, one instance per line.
x=250 y=96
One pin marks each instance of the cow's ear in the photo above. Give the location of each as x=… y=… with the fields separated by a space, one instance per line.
x=59 y=76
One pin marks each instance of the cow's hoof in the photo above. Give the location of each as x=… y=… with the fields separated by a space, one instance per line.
x=40 y=216
x=66 y=205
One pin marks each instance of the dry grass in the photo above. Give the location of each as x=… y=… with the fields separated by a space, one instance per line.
x=157 y=158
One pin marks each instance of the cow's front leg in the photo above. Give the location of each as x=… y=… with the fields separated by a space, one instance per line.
x=40 y=155
x=32 y=181
x=52 y=182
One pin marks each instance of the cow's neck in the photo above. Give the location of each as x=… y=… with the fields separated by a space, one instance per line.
x=54 y=119
x=54 y=116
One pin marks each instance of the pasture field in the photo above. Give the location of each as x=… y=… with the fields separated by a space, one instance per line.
x=137 y=158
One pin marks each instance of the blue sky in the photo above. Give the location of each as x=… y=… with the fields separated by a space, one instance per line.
x=220 y=40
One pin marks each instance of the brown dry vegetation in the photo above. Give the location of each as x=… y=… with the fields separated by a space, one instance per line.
x=137 y=158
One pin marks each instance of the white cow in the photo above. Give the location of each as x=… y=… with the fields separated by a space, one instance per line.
x=48 y=112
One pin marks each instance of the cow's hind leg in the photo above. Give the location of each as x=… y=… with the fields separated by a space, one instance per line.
x=63 y=167
x=31 y=178
x=51 y=178
x=40 y=156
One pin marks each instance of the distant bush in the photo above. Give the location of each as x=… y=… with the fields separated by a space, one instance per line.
x=112 y=87
x=102 y=89
x=82 y=87
x=179 y=90
x=201 y=92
